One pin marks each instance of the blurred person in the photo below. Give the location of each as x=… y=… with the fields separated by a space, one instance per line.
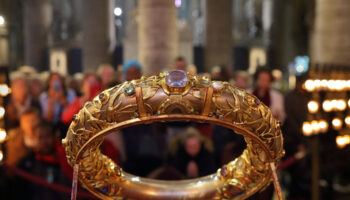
x=220 y=73
x=180 y=64
x=144 y=145
x=91 y=86
x=277 y=80
x=35 y=88
x=46 y=139
x=191 y=154
x=221 y=139
x=27 y=70
x=192 y=69
x=270 y=97
x=74 y=83
x=241 y=79
x=55 y=99
x=132 y=70
x=21 y=140
x=107 y=75
x=19 y=100
x=296 y=113
x=43 y=161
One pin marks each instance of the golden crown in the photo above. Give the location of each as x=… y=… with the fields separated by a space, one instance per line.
x=175 y=96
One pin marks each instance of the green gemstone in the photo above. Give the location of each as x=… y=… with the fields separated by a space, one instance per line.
x=129 y=89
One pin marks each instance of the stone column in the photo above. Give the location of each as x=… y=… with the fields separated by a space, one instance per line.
x=331 y=37
x=4 y=46
x=157 y=35
x=95 y=30
x=36 y=21
x=218 y=41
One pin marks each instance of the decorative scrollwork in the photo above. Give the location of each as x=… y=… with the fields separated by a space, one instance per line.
x=154 y=99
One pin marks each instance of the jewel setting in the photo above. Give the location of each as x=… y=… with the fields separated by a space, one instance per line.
x=129 y=89
x=176 y=78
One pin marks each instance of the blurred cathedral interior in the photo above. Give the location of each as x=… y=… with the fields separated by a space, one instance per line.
x=293 y=55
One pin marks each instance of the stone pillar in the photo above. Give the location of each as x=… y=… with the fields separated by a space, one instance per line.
x=218 y=38
x=95 y=30
x=331 y=37
x=36 y=21
x=157 y=35
x=4 y=46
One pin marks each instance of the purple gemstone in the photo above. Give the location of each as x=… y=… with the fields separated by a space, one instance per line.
x=176 y=78
x=257 y=102
x=217 y=85
x=223 y=170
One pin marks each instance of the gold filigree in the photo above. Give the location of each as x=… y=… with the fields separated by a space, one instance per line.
x=151 y=99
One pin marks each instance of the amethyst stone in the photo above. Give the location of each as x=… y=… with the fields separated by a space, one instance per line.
x=257 y=102
x=176 y=78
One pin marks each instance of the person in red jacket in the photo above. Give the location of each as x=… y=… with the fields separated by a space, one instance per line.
x=91 y=86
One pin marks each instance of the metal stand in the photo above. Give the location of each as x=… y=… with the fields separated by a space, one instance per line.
x=75 y=182
x=276 y=182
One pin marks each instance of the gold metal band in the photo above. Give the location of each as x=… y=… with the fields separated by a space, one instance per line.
x=139 y=100
x=155 y=99
x=207 y=102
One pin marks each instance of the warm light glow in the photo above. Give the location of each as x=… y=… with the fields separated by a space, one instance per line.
x=324 y=83
x=327 y=105
x=323 y=125
x=307 y=129
x=334 y=104
x=343 y=140
x=118 y=11
x=331 y=84
x=309 y=85
x=2 y=112
x=344 y=84
x=2 y=20
x=4 y=90
x=317 y=83
x=349 y=102
x=315 y=126
x=1 y=155
x=337 y=123
x=341 y=105
x=347 y=121
x=312 y=106
x=2 y=135
x=338 y=84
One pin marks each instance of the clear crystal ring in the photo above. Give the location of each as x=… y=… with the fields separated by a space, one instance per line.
x=174 y=96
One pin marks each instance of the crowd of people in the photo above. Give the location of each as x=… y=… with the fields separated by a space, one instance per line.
x=41 y=106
